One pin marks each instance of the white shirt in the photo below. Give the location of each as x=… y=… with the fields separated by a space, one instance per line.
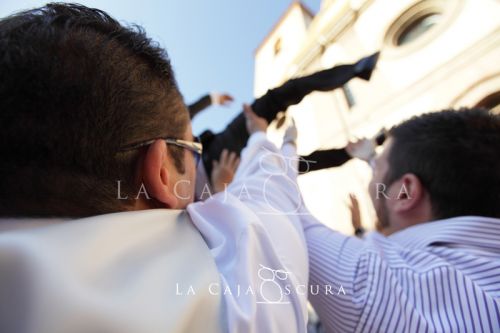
x=114 y=273
x=255 y=236
x=440 y=276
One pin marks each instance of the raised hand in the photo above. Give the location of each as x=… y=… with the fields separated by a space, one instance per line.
x=355 y=212
x=223 y=99
x=291 y=134
x=223 y=170
x=254 y=123
x=363 y=149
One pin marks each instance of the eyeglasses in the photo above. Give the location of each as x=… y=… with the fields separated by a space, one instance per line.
x=194 y=146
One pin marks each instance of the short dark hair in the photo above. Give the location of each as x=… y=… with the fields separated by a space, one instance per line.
x=456 y=156
x=75 y=86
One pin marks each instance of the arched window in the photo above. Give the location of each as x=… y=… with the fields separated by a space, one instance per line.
x=417 y=28
x=419 y=24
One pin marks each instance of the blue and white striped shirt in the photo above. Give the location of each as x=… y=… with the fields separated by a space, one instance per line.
x=441 y=276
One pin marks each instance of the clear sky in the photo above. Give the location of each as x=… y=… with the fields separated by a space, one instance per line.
x=210 y=43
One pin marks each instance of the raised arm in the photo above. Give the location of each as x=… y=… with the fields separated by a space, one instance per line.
x=207 y=100
x=200 y=105
x=338 y=268
x=257 y=241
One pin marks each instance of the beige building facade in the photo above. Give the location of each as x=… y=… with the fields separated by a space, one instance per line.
x=435 y=54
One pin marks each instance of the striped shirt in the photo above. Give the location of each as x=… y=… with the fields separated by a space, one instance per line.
x=441 y=276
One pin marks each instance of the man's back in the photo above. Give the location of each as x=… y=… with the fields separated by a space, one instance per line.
x=440 y=276
x=109 y=273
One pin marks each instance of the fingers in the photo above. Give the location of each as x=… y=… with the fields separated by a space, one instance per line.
x=253 y=122
x=354 y=146
x=229 y=160
x=223 y=157
x=247 y=109
x=351 y=200
x=224 y=170
x=227 y=98
x=237 y=163
x=233 y=160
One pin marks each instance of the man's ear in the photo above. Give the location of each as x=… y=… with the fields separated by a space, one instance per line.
x=156 y=176
x=408 y=193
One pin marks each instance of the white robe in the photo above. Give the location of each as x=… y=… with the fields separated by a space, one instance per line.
x=108 y=273
x=253 y=230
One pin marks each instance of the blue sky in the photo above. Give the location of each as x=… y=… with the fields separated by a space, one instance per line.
x=211 y=43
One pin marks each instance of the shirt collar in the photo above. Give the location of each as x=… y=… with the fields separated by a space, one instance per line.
x=475 y=231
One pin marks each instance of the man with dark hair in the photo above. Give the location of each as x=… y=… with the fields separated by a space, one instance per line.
x=93 y=123
x=435 y=266
x=49 y=72
x=455 y=158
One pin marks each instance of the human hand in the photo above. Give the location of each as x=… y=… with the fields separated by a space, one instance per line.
x=363 y=149
x=254 y=123
x=224 y=99
x=223 y=170
x=291 y=134
x=221 y=98
x=355 y=212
